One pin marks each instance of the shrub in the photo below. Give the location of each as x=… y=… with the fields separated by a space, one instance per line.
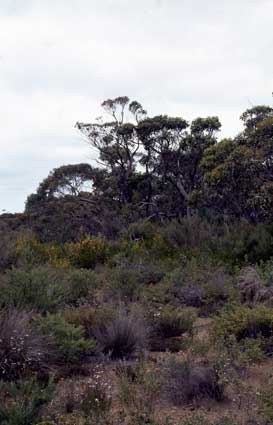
x=90 y=318
x=80 y=285
x=244 y=322
x=68 y=339
x=7 y=248
x=88 y=252
x=188 y=233
x=31 y=252
x=84 y=316
x=124 y=282
x=245 y=244
x=250 y=285
x=37 y=289
x=141 y=230
x=265 y=269
x=184 y=381
x=202 y=284
x=172 y=322
x=21 y=402
x=21 y=347
x=252 y=288
x=45 y=288
x=123 y=336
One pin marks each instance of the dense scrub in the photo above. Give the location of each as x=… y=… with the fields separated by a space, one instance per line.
x=148 y=298
x=168 y=313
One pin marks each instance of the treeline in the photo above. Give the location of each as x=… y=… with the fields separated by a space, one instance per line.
x=156 y=169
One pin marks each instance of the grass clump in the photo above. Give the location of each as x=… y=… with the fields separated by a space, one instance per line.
x=124 y=336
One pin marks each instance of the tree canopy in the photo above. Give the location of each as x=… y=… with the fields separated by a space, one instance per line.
x=161 y=167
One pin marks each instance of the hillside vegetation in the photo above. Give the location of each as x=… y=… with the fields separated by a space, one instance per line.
x=141 y=291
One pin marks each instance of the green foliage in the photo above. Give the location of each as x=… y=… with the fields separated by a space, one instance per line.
x=172 y=322
x=176 y=225
x=266 y=271
x=30 y=252
x=245 y=244
x=200 y=282
x=70 y=345
x=188 y=233
x=88 y=252
x=142 y=230
x=7 y=247
x=21 y=401
x=46 y=288
x=124 y=282
x=245 y=322
x=90 y=318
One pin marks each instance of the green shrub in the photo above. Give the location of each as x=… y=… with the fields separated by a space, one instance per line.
x=88 y=252
x=31 y=252
x=68 y=339
x=21 y=401
x=123 y=282
x=80 y=285
x=171 y=322
x=245 y=244
x=45 y=288
x=84 y=316
x=7 y=248
x=266 y=271
x=188 y=233
x=90 y=318
x=244 y=322
x=37 y=289
x=141 y=230
x=127 y=280
x=201 y=283
x=22 y=348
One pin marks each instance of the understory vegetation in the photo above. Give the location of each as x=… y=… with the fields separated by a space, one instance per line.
x=148 y=299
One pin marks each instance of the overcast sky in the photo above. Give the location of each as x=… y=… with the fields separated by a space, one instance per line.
x=59 y=59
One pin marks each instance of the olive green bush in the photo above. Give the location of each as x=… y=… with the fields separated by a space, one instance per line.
x=46 y=288
x=68 y=339
x=21 y=402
